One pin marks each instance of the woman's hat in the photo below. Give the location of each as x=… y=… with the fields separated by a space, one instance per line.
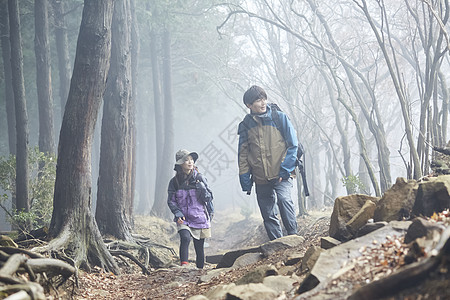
x=181 y=155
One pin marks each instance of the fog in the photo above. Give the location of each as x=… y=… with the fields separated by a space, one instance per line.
x=364 y=83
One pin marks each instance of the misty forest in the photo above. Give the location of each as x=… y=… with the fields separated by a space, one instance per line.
x=96 y=97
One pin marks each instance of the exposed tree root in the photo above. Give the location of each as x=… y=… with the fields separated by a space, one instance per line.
x=19 y=263
x=134 y=259
x=142 y=244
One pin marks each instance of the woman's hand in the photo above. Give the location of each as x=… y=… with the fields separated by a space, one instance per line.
x=180 y=220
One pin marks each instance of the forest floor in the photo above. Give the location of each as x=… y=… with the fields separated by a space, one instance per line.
x=183 y=282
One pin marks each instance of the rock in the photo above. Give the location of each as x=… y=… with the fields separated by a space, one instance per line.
x=160 y=257
x=257 y=275
x=211 y=274
x=419 y=228
x=328 y=242
x=214 y=258
x=252 y=291
x=279 y=283
x=293 y=259
x=433 y=195
x=310 y=258
x=331 y=261
x=369 y=227
x=281 y=243
x=361 y=217
x=230 y=257
x=287 y=270
x=219 y=292
x=198 y=297
x=397 y=202
x=247 y=259
x=345 y=208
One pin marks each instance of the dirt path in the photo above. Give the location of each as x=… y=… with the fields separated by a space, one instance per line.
x=181 y=282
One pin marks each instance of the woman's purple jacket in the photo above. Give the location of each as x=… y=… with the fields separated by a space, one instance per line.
x=191 y=200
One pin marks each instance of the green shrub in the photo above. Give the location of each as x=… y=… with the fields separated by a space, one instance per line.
x=353 y=184
x=42 y=171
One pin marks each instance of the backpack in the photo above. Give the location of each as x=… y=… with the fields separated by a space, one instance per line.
x=276 y=119
x=300 y=151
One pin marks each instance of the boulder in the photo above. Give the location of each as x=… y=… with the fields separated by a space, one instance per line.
x=247 y=259
x=361 y=217
x=328 y=242
x=336 y=260
x=279 y=283
x=396 y=202
x=252 y=291
x=433 y=195
x=345 y=208
x=230 y=257
x=293 y=258
x=257 y=275
x=219 y=292
x=160 y=257
x=369 y=227
x=421 y=227
x=310 y=258
x=281 y=243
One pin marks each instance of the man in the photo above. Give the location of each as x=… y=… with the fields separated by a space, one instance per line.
x=267 y=156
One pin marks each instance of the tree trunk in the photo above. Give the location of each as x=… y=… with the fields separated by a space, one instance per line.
x=113 y=196
x=9 y=95
x=160 y=207
x=62 y=50
x=22 y=173
x=444 y=109
x=158 y=113
x=375 y=125
x=399 y=89
x=43 y=80
x=133 y=103
x=72 y=226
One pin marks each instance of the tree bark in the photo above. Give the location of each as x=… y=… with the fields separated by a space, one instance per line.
x=114 y=183
x=22 y=173
x=62 y=50
x=135 y=47
x=43 y=78
x=72 y=226
x=9 y=95
x=158 y=113
x=160 y=207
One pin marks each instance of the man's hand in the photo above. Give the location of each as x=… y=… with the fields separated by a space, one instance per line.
x=280 y=179
x=180 y=220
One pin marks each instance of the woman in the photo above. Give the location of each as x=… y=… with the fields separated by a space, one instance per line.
x=190 y=200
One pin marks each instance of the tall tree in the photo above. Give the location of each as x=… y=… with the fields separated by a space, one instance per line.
x=9 y=95
x=43 y=75
x=385 y=43
x=135 y=49
x=114 y=184
x=73 y=227
x=22 y=173
x=62 y=50
x=158 y=113
x=160 y=207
